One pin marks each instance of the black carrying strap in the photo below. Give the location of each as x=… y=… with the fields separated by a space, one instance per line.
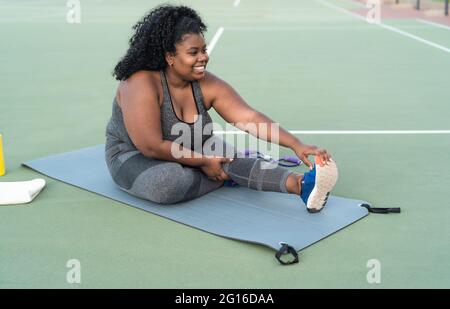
x=377 y=210
x=285 y=248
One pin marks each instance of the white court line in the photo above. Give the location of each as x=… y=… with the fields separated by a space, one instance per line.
x=433 y=24
x=338 y=8
x=214 y=40
x=396 y=30
x=351 y=132
x=330 y=28
x=236 y=3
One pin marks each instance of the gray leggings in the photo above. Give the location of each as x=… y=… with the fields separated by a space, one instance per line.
x=168 y=182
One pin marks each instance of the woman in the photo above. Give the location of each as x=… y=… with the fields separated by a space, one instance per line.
x=163 y=84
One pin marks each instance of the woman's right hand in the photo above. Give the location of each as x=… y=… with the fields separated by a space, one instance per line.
x=212 y=167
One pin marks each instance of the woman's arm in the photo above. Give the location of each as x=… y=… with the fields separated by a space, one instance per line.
x=233 y=109
x=141 y=113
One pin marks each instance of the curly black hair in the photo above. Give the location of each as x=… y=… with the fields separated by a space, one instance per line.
x=157 y=33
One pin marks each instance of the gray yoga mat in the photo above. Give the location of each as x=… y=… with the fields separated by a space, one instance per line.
x=267 y=218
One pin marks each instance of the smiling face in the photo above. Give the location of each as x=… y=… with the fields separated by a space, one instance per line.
x=190 y=58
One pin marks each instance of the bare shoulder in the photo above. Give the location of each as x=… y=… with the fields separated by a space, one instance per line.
x=140 y=86
x=212 y=86
x=211 y=80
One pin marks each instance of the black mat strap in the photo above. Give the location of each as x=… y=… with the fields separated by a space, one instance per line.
x=378 y=210
x=285 y=248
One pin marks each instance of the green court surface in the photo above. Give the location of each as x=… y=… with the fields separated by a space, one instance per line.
x=305 y=65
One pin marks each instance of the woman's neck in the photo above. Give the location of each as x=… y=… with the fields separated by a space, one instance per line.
x=174 y=80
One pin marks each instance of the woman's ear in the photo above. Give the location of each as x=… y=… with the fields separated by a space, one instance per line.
x=170 y=58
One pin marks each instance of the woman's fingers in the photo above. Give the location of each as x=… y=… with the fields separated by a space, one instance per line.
x=322 y=153
x=220 y=177
x=305 y=160
x=226 y=160
x=224 y=175
x=323 y=156
x=328 y=156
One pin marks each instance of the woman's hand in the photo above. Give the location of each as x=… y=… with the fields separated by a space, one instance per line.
x=212 y=167
x=303 y=151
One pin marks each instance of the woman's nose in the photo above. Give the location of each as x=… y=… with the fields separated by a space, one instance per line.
x=203 y=58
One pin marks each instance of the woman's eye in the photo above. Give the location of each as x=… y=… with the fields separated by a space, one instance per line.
x=195 y=53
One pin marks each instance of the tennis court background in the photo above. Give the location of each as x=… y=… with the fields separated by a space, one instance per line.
x=307 y=66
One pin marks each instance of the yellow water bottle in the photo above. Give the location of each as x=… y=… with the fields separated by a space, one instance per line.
x=2 y=162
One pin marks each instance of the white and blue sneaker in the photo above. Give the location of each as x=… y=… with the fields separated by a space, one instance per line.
x=317 y=185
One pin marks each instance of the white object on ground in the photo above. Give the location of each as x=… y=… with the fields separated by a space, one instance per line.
x=20 y=192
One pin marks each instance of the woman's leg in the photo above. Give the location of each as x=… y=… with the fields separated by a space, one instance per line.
x=254 y=172
x=251 y=173
x=294 y=183
x=170 y=182
x=314 y=186
x=156 y=180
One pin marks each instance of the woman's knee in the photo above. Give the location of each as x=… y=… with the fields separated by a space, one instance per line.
x=165 y=186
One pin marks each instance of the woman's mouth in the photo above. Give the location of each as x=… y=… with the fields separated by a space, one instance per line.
x=199 y=69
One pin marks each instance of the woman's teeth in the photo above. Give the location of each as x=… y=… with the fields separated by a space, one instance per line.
x=199 y=69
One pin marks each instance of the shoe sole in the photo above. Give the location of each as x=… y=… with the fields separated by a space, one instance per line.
x=326 y=178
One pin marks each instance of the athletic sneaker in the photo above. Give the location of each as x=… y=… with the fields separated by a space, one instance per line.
x=317 y=185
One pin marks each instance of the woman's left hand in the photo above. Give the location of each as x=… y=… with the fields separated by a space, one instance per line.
x=303 y=151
